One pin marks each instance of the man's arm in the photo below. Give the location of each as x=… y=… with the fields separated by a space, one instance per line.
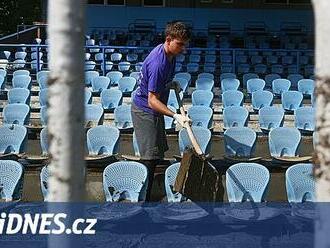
x=157 y=105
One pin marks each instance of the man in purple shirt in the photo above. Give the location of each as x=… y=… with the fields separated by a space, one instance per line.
x=150 y=101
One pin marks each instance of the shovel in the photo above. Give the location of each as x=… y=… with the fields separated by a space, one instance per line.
x=197 y=178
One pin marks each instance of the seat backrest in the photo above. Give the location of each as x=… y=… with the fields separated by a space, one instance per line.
x=111 y=98
x=255 y=84
x=22 y=81
x=201 y=116
x=12 y=139
x=291 y=100
x=227 y=75
x=100 y=83
x=127 y=84
x=123 y=117
x=204 y=84
x=16 y=113
x=11 y=173
x=94 y=113
x=300 y=183
x=202 y=135
x=284 y=141
x=44 y=175
x=128 y=176
x=170 y=176
x=44 y=140
x=247 y=182
x=306 y=86
x=184 y=75
x=240 y=141
x=103 y=140
x=43 y=97
x=305 y=118
x=261 y=98
x=280 y=85
x=202 y=97
x=114 y=76
x=232 y=98
x=43 y=115
x=229 y=84
x=19 y=95
x=271 y=117
x=235 y=116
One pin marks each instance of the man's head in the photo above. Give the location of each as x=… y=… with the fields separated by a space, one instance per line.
x=177 y=37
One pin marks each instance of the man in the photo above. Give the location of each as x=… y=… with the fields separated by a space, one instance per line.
x=150 y=101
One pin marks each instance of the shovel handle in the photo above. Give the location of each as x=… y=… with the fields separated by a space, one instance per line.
x=188 y=127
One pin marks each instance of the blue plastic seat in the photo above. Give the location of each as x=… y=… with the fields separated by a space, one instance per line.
x=269 y=78
x=44 y=141
x=248 y=76
x=183 y=83
x=136 y=74
x=126 y=84
x=16 y=113
x=111 y=98
x=11 y=174
x=204 y=84
x=255 y=84
x=44 y=175
x=89 y=76
x=192 y=67
x=202 y=135
x=124 y=66
x=235 y=116
x=194 y=58
x=88 y=96
x=103 y=140
x=291 y=100
x=12 y=139
x=93 y=115
x=138 y=66
x=240 y=141
x=100 y=83
x=116 y=57
x=256 y=59
x=261 y=98
x=169 y=121
x=184 y=75
x=294 y=78
x=206 y=75
x=43 y=115
x=227 y=75
x=300 y=183
x=247 y=182
x=284 y=141
x=43 y=82
x=305 y=119
x=243 y=68
x=90 y=65
x=229 y=84
x=114 y=77
x=170 y=177
x=22 y=81
x=306 y=86
x=201 y=116
x=2 y=81
x=123 y=117
x=19 y=95
x=21 y=72
x=277 y=69
x=172 y=100
x=270 y=117
x=43 y=97
x=125 y=180
x=210 y=58
x=202 y=98
x=232 y=98
x=260 y=69
x=280 y=86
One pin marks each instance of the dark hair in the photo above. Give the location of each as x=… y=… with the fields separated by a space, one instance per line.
x=177 y=30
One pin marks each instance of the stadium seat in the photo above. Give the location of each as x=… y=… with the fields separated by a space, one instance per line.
x=43 y=97
x=16 y=113
x=240 y=141
x=260 y=69
x=22 y=81
x=183 y=83
x=202 y=98
x=291 y=100
x=172 y=100
x=44 y=141
x=305 y=119
x=124 y=66
x=300 y=183
x=19 y=95
x=194 y=58
x=93 y=115
x=43 y=82
x=248 y=76
x=11 y=174
x=170 y=177
x=122 y=117
x=12 y=139
x=284 y=141
x=204 y=84
x=261 y=98
x=184 y=75
x=90 y=65
x=100 y=83
x=269 y=78
x=44 y=175
x=192 y=68
x=111 y=98
x=21 y=73
x=125 y=180
x=277 y=69
x=247 y=182
x=201 y=116
x=89 y=76
x=235 y=116
x=232 y=98
x=114 y=77
x=127 y=84
x=136 y=75
x=255 y=84
x=202 y=135
x=294 y=78
x=280 y=86
x=306 y=86
x=206 y=75
x=103 y=140
x=88 y=96
x=229 y=84
x=116 y=57
x=270 y=117
x=43 y=115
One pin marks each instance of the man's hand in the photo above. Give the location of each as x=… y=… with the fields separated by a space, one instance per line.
x=182 y=120
x=174 y=85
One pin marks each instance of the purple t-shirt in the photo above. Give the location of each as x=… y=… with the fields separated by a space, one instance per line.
x=157 y=71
